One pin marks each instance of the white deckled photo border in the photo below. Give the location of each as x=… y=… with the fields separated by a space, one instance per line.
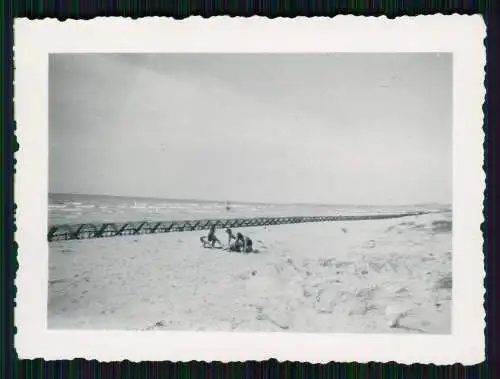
x=460 y=35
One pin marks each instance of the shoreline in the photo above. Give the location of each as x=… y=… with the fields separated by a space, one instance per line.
x=193 y=200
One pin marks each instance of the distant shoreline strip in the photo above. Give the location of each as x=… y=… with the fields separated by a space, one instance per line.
x=66 y=232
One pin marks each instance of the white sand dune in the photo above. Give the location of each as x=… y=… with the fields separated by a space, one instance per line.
x=383 y=276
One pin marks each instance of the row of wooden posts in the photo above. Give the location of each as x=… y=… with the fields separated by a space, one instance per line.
x=113 y=229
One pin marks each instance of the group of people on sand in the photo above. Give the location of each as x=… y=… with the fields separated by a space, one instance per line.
x=241 y=243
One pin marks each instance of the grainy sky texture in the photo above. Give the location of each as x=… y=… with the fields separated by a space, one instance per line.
x=315 y=128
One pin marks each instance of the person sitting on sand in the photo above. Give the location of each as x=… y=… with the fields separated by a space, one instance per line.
x=239 y=243
x=211 y=239
x=248 y=245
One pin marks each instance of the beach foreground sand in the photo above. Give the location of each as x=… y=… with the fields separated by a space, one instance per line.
x=382 y=276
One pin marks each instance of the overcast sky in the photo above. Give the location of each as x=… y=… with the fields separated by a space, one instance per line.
x=322 y=128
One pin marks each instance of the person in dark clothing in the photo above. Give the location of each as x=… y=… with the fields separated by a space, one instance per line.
x=240 y=241
x=211 y=239
x=239 y=244
x=248 y=245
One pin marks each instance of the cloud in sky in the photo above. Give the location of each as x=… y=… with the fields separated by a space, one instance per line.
x=319 y=128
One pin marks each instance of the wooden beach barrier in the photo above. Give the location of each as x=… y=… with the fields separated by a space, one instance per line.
x=65 y=232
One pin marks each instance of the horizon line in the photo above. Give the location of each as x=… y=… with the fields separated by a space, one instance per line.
x=249 y=202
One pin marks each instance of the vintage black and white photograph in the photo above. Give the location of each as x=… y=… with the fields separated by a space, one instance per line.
x=218 y=190
x=251 y=192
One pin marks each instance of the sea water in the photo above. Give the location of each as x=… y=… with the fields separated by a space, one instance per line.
x=78 y=208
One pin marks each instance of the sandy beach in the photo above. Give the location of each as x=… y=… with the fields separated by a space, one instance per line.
x=382 y=276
